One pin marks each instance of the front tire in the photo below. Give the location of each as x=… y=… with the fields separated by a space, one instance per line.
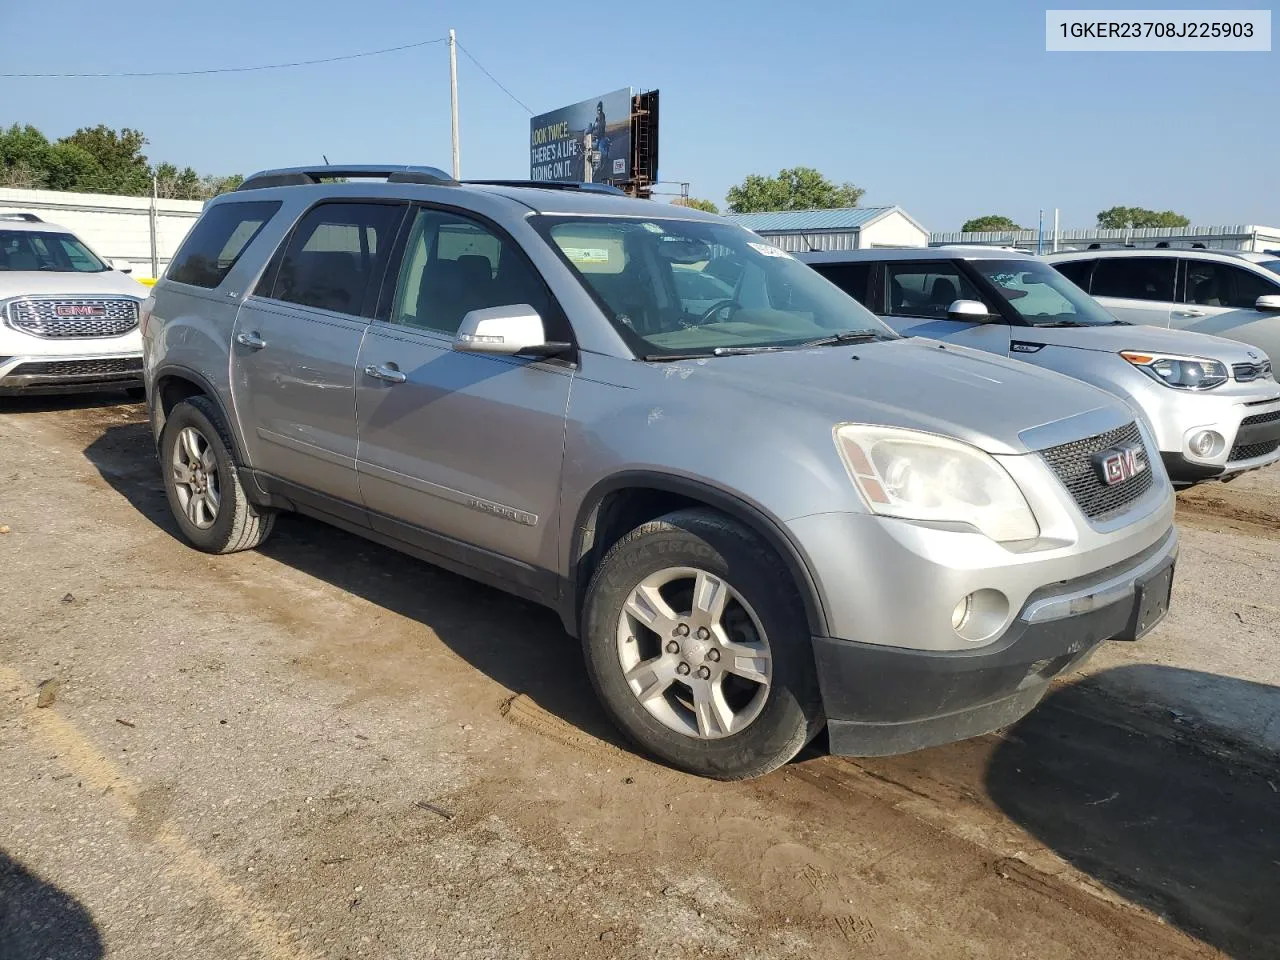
x=209 y=504
x=697 y=643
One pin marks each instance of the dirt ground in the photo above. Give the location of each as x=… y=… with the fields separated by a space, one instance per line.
x=327 y=749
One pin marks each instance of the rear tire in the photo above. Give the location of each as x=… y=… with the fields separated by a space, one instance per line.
x=697 y=644
x=209 y=504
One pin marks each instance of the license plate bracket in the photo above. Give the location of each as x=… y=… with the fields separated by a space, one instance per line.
x=1151 y=603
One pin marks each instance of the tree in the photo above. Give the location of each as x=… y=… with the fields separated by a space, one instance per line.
x=798 y=188
x=991 y=223
x=1121 y=218
x=175 y=184
x=97 y=160
x=122 y=166
x=696 y=204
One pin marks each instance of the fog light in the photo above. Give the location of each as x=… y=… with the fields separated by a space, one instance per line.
x=980 y=616
x=1205 y=443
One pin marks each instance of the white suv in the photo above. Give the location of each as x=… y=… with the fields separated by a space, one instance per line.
x=1227 y=294
x=68 y=319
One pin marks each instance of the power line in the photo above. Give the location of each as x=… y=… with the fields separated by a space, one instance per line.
x=472 y=58
x=265 y=66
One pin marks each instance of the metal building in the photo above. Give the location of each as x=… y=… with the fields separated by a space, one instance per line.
x=1245 y=237
x=842 y=228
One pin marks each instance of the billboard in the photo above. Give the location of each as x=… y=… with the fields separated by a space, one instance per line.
x=588 y=141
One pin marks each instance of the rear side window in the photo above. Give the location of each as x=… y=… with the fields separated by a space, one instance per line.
x=217 y=240
x=1077 y=271
x=335 y=257
x=1135 y=278
x=853 y=278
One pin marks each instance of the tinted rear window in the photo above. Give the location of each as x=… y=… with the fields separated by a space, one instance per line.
x=217 y=240
x=1077 y=271
x=335 y=257
x=1135 y=278
x=853 y=278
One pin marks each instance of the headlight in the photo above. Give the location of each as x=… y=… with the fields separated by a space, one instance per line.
x=1184 y=373
x=921 y=476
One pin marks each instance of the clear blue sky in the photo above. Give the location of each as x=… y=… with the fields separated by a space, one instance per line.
x=951 y=109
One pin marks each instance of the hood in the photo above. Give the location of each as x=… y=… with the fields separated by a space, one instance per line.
x=1142 y=338
x=111 y=283
x=919 y=384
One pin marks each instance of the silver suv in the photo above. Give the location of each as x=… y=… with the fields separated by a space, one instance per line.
x=68 y=318
x=761 y=514
x=1225 y=293
x=1213 y=404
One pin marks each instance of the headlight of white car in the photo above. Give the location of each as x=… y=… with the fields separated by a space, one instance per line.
x=1183 y=373
x=922 y=476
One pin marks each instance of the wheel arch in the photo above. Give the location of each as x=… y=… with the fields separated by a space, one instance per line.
x=171 y=385
x=620 y=503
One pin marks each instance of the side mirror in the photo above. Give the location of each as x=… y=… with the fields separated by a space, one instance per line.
x=1268 y=303
x=505 y=331
x=971 y=310
x=121 y=266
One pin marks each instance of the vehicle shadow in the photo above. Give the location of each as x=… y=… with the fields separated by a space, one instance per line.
x=38 y=920
x=1186 y=825
x=47 y=403
x=519 y=644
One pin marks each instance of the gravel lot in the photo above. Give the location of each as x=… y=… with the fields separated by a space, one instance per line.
x=327 y=749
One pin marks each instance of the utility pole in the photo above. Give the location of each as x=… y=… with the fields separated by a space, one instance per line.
x=453 y=101
x=151 y=221
x=1055 y=229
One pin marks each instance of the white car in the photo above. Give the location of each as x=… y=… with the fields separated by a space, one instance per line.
x=68 y=318
x=1227 y=294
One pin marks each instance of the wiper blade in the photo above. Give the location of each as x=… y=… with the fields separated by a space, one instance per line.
x=668 y=357
x=845 y=336
x=1063 y=323
x=713 y=352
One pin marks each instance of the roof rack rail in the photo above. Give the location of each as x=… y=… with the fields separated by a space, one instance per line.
x=24 y=217
x=552 y=185
x=303 y=176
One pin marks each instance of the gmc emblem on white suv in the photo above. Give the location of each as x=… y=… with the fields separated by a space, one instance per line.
x=1118 y=465
x=80 y=310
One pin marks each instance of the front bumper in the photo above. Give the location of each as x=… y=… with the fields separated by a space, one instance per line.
x=70 y=374
x=1250 y=429
x=883 y=700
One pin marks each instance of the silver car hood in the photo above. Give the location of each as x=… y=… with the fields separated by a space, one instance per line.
x=1146 y=339
x=985 y=400
x=26 y=283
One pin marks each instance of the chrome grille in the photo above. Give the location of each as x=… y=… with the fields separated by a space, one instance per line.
x=93 y=367
x=1245 y=372
x=38 y=316
x=1072 y=463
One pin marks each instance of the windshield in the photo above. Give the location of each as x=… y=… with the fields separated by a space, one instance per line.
x=53 y=252
x=1041 y=295
x=679 y=287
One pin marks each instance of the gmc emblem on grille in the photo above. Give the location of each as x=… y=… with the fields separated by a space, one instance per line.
x=1118 y=464
x=79 y=310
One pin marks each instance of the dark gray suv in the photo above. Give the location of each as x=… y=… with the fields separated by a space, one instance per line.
x=760 y=509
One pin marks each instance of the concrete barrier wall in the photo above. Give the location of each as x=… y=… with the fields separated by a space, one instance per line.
x=115 y=227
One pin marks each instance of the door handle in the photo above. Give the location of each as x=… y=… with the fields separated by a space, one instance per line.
x=386 y=372
x=250 y=340
x=1188 y=313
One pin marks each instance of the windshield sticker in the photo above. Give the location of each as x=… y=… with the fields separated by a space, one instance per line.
x=652 y=227
x=587 y=254
x=769 y=250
